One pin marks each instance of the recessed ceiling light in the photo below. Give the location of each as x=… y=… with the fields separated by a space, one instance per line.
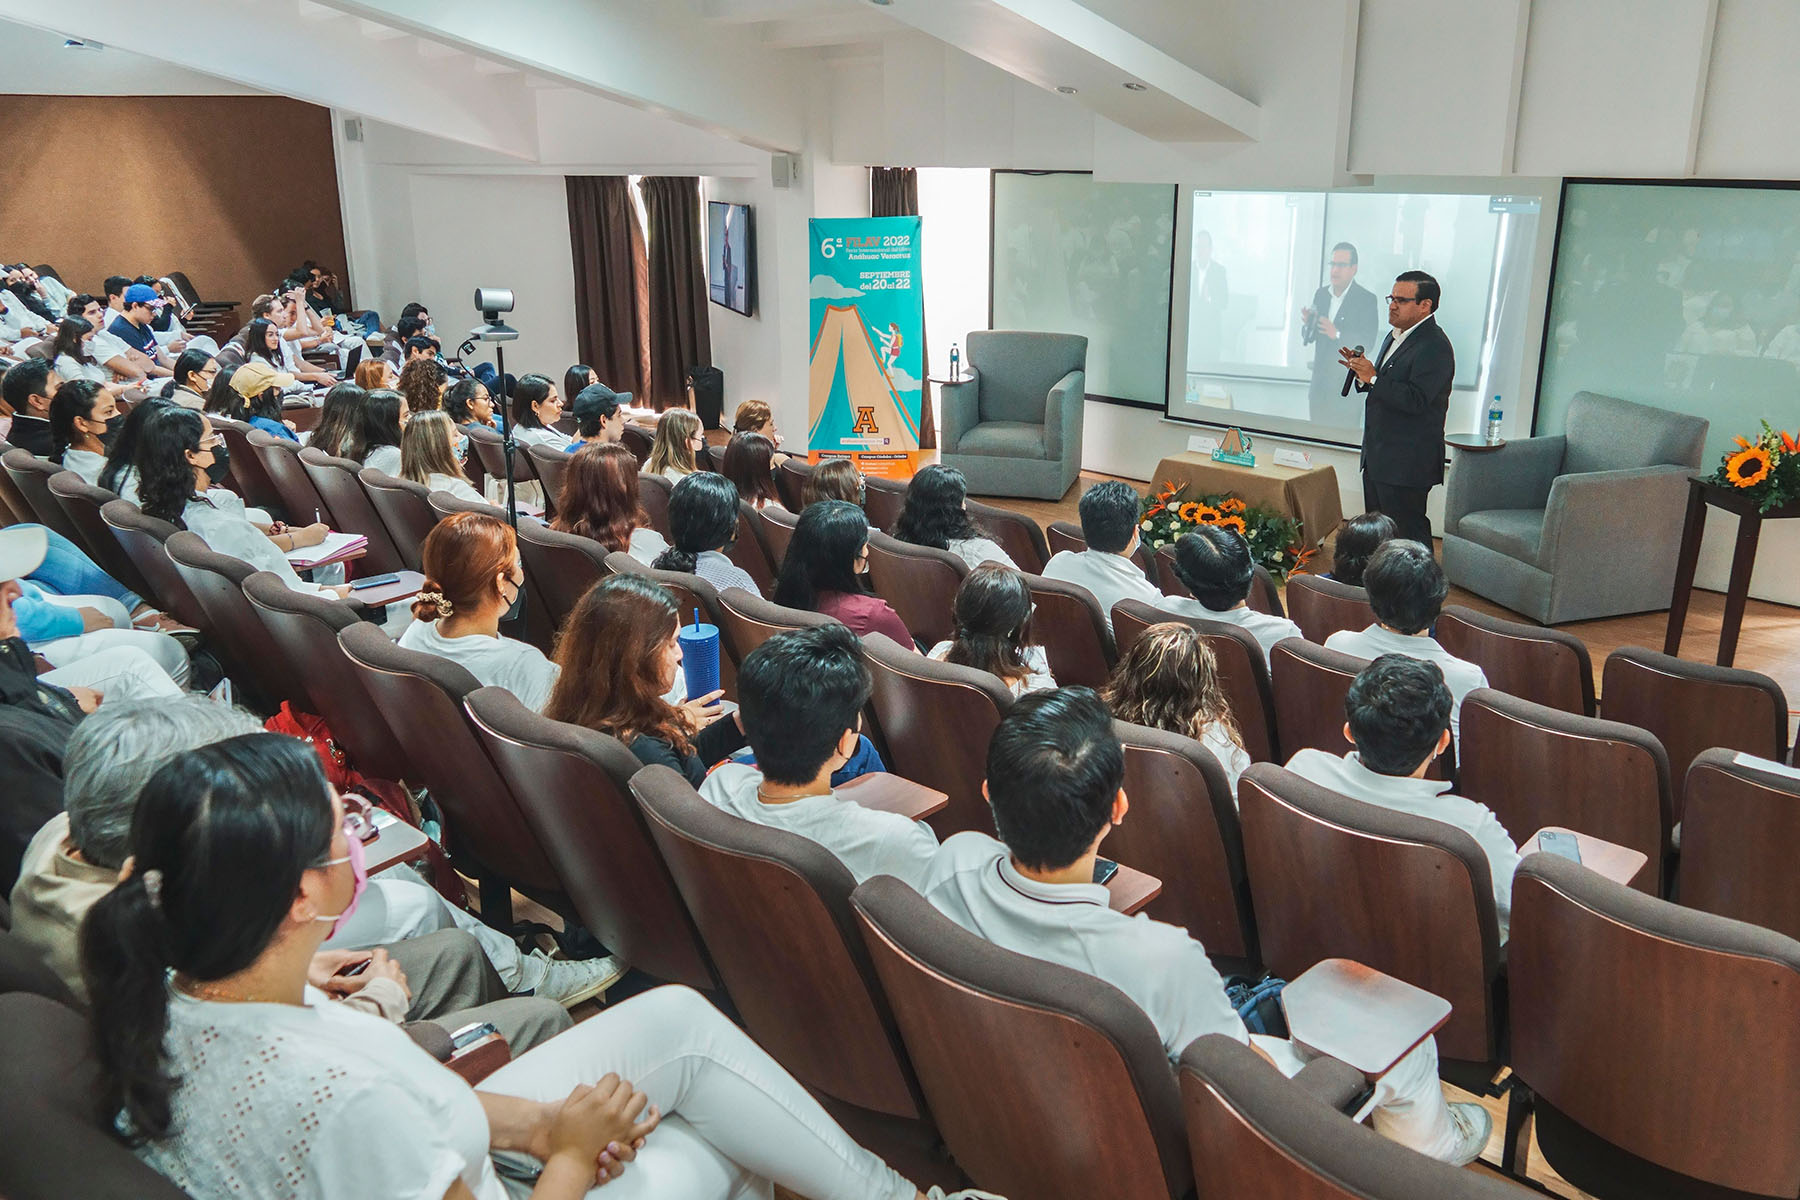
x=1132 y=85
x=1066 y=90
x=883 y=3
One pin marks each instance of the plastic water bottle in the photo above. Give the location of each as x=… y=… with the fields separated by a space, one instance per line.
x=955 y=363
x=1493 y=423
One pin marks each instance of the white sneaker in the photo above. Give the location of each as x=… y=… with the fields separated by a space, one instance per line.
x=570 y=981
x=1473 y=1125
x=938 y=1193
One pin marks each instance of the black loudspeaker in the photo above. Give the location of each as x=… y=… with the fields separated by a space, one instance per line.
x=707 y=385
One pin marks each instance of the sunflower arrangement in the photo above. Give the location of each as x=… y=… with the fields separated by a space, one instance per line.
x=1767 y=469
x=1274 y=537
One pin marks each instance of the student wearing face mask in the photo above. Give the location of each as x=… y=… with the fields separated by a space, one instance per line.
x=84 y=421
x=473 y=581
x=70 y=354
x=432 y=452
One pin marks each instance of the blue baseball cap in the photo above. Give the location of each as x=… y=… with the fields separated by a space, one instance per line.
x=141 y=293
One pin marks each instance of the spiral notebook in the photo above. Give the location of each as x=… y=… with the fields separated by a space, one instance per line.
x=335 y=545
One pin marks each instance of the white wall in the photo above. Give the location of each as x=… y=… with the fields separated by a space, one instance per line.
x=37 y=64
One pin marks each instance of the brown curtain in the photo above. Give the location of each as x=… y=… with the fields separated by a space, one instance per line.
x=680 y=336
x=610 y=267
x=894 y=192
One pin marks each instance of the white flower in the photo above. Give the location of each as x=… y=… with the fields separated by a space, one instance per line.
x=1145 y=525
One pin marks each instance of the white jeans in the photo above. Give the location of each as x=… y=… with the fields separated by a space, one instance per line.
x=733 y=1120
x=117 y=673
x=1409 y=1101
x=399 y=905
x=164 y=650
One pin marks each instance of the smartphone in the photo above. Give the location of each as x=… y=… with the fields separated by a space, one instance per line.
x=1104 y=869
x=355 y=968
x=469 y=1034
x=373 y=581
x=1564 y=845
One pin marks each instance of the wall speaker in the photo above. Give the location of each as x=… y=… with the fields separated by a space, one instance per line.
x=353 y=129
x=784 y=170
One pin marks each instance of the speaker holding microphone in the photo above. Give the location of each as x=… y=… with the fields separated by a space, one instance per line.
x=1350 y=376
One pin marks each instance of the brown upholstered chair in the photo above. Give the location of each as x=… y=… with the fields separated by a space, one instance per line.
x=1333 y=877
x=790 y=481
x=82 y=502
x=1547 y=666
x=748 y=551
x=248 y=476
x=54 y=1148
x=1101 y=1115
x=1072 y=629
x=653 y=494
x=689 y=592
x=749 y=621
x=1653 y=1043
x=1243 y=672
x=302 y=628
x=490 y=449
x=638 y=440
x=821 y=1014
x=300 y=498
x=777 y=528
x=1536 y=766
x=232 y=627
x=1310 y=684
x=31 y=477
x=540 y=623
x=936 y=719
x=1692 y=707
x=404 y=508
x=1016 y=533
x=1253 y=1132
x=14 y=509
x=919 y=582
x=1183 y=829
x=562 y=566
x=1739 y=838
x=1322 y=607
x=422 y=696
x=142 y=538
x=337 y=481
x=1163 y=573
x=572 y=786
x=882 y=500
x=710 y=458
x=550 y=463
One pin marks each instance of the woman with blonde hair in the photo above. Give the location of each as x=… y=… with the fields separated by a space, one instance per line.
x=432 y=451
x=1169 y=680
x=679 y=438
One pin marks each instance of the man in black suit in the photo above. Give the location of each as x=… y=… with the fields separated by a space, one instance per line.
x=1211 y=294
x=1408 y=395
x=27 y=388
x=1342 y=313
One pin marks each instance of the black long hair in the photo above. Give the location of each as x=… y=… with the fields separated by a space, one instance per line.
x=256 y=342
x=530 y=390
x=75 y=398
x=190 y=362
x=933 y=514
x=1357 y=540
x=822 y=555
x=381 y=420
x=576 y=378
x=125 y=447
x=993 y=622
x=340 y=429
x=224 y=399
x=165 y=476
x=703 y=515
x=230 y=829
x=458 y=397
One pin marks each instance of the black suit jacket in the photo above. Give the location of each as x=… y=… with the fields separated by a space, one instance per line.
x=1357 y=324
x=1403 y=433
x=33 y=434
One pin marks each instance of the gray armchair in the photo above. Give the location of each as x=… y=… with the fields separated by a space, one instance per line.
x=1014 y=427
x=1586 y=524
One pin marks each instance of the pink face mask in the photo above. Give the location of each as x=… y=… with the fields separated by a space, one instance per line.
x=359 y=872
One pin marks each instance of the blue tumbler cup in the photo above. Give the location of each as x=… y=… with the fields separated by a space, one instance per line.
x=699 y=657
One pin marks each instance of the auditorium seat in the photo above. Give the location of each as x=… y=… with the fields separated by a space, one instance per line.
x=653 y=494
x=562 y=566
x=1243 y=671
x=821 y=1014
x=790 y=481
x=882 y=501
x=936 y=719
x=638 y=440
x=1333 y=877
x=920 y=584
x=248 y=477
x=1546 y=666
x=1310 y=684
x=750 y=620
x=550 y=464
x=1692 y=707
x=300 y=498
x=1069 y=624
x=142 y=538
x=490 y=450
x=233 y=631
x=1322 y=607
x=31 y=477
x=422 y=696
x=1536 y=766
x=81 y=502
x=748 y=551
x=1740 y=838
x=572 y=787
x=1253 y=1132
x=404 y=508
x=337 y=481
x=1183 y=829
x=1652 y=1044
x=1016 y=533
x=13 y=506
x=777 y=524
x=1100 y=1114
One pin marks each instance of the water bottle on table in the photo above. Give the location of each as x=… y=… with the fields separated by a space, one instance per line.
x=1493 y=423
x=955 y=363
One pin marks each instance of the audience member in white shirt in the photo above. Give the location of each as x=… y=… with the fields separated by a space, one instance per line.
x=474 y=579
x=1399 y=712
x=195 y=373
x=431 y=453
x=1406 y=589
x=802 y=695
x=703 y=520
x=385 y=415
x=105 y=349
x=1055 y=775
x=1169 y=680
x=993 y=630
x=1214 y=563
x=936 y=514
x=599 y=500
x=70 y=353
x=675 y=449
x=1109 y=524
x=536 y=407
x=83 y=416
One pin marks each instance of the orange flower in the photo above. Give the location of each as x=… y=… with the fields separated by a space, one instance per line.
x=1748 y=467
x=1231 y=504
x=1789 y=444
x=1190 y=511
x=1740 y=441
x=1234 y=522
x=1208 y=515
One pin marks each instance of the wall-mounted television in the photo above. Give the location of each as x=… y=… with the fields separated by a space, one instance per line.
x=730 y=256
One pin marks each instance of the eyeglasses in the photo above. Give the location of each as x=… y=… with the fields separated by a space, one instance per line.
x=1404 y=299
x=213 y=442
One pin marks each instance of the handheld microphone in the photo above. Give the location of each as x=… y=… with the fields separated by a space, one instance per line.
x=1350 y=376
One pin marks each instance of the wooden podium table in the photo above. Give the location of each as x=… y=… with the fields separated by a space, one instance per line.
x=1702 y=494
x=1310 y=495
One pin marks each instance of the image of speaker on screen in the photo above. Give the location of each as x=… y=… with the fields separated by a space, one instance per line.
x=1342 y=314
x=1211 y=296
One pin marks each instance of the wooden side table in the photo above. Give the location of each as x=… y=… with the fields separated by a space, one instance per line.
x=1474 y=443
x=1702 y=494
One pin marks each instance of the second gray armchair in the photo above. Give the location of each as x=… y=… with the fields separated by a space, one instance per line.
x=1013 y=428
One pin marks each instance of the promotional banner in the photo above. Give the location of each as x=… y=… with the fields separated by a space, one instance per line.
x=866 y=376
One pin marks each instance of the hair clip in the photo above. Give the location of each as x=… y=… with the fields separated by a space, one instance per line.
x=444 y=607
